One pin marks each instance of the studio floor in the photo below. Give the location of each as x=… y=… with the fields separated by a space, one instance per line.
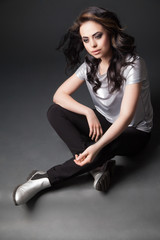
x=129 y=210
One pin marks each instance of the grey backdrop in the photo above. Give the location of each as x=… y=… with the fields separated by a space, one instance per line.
x=30 y=72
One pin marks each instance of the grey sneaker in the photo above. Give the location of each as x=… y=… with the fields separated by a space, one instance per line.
x=37 y=181
x=103 y=176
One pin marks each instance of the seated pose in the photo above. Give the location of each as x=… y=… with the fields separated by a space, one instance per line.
x=120 y=123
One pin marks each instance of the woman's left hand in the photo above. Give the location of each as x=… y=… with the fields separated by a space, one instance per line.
x=87 y=156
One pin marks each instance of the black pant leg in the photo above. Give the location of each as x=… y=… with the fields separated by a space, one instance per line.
x=74 y=131
x=71 y=127
x=129 y=142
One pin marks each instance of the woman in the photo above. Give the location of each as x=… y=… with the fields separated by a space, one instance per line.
x=117 y=81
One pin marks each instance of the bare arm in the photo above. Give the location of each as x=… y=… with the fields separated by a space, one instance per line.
x=63 y=95
x=127 y=111
x=64 y=99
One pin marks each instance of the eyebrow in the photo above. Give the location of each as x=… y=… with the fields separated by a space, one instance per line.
x=92 y=35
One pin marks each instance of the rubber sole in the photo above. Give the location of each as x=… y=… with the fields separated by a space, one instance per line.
x=104 y=181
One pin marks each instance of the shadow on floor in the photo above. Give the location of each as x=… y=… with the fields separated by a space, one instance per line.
x=79 y=182
x=136 y=163
x=130 y=166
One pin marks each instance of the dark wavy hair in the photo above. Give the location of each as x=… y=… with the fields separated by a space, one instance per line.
x=122 y=46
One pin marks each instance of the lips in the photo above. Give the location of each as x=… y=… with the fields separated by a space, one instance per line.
x=96 y=52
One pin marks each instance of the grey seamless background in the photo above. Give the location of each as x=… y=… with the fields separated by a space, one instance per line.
x=30 y=72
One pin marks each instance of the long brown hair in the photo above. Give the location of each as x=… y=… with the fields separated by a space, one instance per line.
x=122 y=46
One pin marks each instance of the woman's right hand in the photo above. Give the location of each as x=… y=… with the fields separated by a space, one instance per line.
x=95 y=129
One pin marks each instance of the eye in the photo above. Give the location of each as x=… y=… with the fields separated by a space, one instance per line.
x=98 y=36
x=85 y=40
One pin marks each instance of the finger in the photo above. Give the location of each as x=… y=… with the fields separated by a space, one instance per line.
x=93 y=134
x=90 y=131
x=97 y=135
x=76 y=156
x=81 y=157
x=84 y=162
x=101 y=131
x=79 y=161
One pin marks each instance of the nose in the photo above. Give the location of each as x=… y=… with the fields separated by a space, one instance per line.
x=93 y=43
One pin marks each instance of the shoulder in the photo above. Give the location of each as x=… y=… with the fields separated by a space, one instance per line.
x=138 y=63
x=81 y=72
x=136 y=71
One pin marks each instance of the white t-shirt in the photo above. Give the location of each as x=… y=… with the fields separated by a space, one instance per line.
x=108 y=104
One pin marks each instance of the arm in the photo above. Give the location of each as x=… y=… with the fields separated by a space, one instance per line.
x=64 y=99
x=128 y=106
x=63 y=95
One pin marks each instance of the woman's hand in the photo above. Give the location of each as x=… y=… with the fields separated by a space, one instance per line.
x=95 y=129
x=87 y=156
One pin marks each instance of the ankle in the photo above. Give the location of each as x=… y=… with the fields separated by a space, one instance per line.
x=43 y=179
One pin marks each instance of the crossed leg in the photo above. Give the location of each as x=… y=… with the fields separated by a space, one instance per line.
x=74 y=131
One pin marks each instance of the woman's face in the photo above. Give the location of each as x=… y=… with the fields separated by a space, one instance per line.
x=96 y=39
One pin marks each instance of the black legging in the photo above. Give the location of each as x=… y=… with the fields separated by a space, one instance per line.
x=74 y=130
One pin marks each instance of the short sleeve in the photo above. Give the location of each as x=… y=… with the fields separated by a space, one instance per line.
x=81 y=72
x=136 y=73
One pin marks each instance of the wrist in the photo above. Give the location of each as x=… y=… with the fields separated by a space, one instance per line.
x=99 y=145
x=88 y=111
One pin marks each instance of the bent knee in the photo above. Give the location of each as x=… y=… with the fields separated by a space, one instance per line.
x=52 y=112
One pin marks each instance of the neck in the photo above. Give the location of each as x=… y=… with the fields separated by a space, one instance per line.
x=104 y=64
x=106 y=60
